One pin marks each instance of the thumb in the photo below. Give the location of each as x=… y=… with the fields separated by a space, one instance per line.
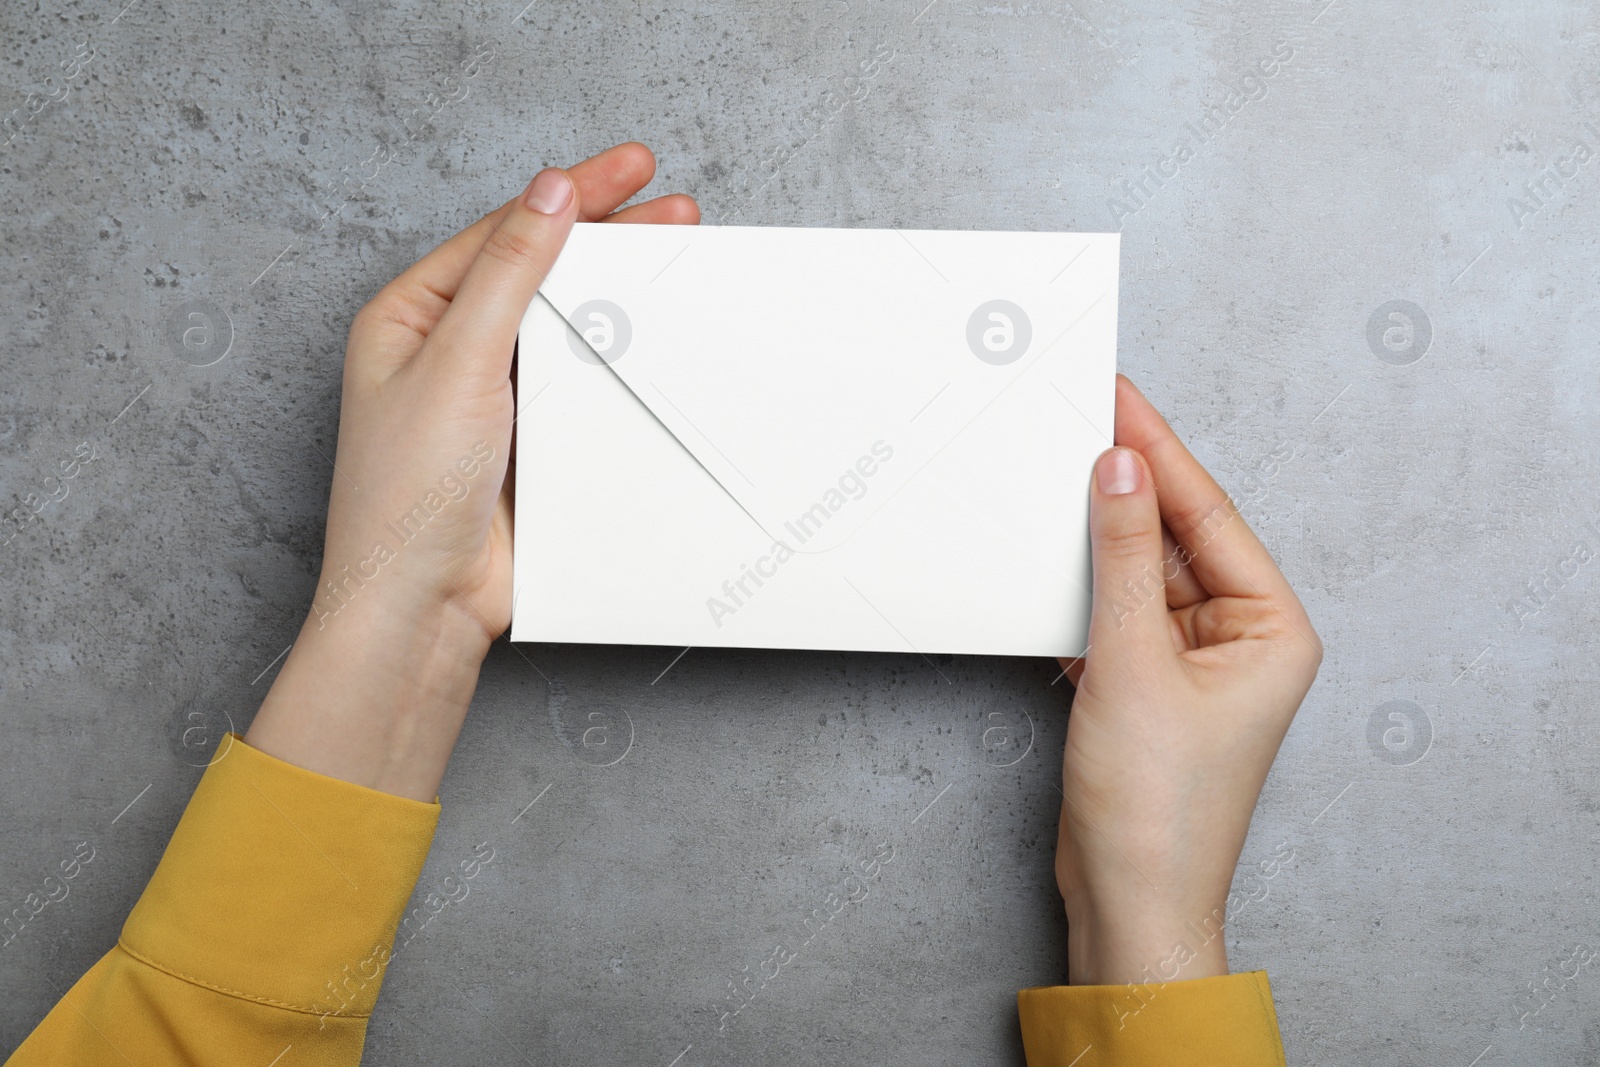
x=1130 y=596
x=488 y=306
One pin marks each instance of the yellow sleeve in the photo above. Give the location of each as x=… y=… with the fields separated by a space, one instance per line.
x=1227 y=1021
x=266 y=927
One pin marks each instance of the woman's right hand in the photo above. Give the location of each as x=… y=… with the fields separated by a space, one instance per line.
x=1199 y=655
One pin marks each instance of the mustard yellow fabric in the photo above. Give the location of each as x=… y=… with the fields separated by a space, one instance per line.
x=263 y=936
x=1228 y=1021
x=263 y=932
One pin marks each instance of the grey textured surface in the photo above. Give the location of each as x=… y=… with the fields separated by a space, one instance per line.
x=1443 y=865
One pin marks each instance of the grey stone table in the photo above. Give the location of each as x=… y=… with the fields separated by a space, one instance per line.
x=1359 y=274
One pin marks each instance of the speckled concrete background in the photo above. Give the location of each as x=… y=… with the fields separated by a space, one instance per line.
x=1425 y=472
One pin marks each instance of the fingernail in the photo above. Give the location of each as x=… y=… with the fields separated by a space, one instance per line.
x=1117 y=472
x=549 y=192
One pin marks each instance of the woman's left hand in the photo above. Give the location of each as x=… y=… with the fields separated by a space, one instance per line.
x=416 y=573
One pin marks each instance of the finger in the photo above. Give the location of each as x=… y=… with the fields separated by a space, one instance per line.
x=1183 y=588
x=1071 y=668
x=478 y=331
x=1216 y=542
x=1129 y=616
x=608 y=180
x=674 y=209
x=604 y=182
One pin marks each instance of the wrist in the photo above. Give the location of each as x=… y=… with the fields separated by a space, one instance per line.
x=1139 y=941
x=375 y=693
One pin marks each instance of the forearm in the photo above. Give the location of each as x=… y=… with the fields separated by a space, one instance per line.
x=375 y=694
x=267 y=924
x=1119 y=944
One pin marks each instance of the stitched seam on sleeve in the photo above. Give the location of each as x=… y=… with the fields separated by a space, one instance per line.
x=240 y=994
x=1271 y=1017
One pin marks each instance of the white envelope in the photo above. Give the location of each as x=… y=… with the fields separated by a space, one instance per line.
x=871 y=440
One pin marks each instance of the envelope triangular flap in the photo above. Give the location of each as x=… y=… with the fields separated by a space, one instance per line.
x=813 y=413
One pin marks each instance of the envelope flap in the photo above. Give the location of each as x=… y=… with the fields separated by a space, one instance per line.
x=812 y=413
